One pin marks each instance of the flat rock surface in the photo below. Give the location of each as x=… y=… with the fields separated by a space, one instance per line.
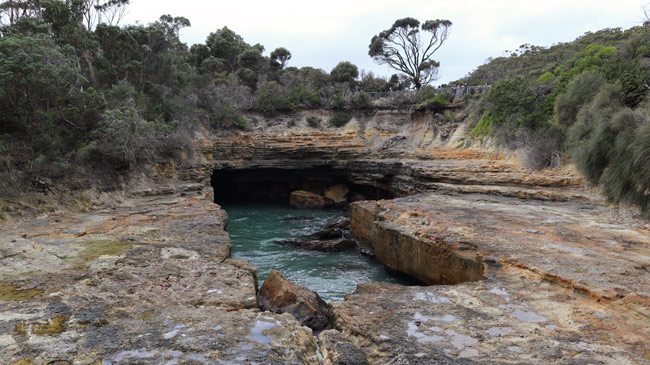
x=148 y=283
x=562 y=283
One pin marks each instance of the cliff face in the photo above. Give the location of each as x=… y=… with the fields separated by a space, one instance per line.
x=528 y=267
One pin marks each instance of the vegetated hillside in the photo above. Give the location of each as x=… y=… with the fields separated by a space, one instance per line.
x=587 y=99
x=82 y=99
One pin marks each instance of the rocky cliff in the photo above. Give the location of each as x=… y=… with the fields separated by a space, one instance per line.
x=523 y=266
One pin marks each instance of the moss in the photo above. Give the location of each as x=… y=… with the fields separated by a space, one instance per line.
x=483 y=128
x=148 y=315
x=22 y=362
x=50 y=326
x=93 y=249
x=11 y=292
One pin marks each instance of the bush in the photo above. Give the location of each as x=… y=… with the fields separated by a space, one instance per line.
x=339 y=119
x=360 y=101
x=313 y=122
x=124 y=138
x=338 y=102
x=579 y=92
x=544 y=150
x=271 y=98
x=592 y=136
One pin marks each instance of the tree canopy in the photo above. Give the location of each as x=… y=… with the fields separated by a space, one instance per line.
x=408 y=47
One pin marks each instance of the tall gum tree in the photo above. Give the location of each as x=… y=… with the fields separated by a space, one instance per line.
x=408 y=47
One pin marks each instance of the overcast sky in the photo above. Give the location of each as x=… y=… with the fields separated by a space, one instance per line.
x=323 y=33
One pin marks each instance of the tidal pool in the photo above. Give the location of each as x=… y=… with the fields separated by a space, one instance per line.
x=254 y=228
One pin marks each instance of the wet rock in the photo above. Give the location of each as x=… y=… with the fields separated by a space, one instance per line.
x=338 y=350
x=335 y=228
x=337 y=194
x=306 y=199
x=280 y=295
x=333 y=245
x=299 y=218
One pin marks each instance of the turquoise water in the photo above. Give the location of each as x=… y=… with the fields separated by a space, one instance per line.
x=254 y=227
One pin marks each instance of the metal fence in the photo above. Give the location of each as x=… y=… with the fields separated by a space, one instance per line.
x=456 y=91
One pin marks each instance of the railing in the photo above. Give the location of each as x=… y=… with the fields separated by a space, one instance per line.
x=456 y=91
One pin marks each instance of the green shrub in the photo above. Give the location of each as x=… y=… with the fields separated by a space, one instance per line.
x=361 y=101
x=271 y=98
x=579 y=92
x=339 y=119
x=591 y=138
x=124 y=138
x=484 y=127
x=338 y=102
x=313 y=121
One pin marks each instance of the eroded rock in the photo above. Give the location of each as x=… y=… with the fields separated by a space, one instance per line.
x=148 y=283
x=337 y=194
x=337 y=349
x=306 y=199
x=280 y=295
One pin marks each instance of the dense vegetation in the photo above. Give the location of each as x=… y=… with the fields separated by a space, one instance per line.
x=587 y=99
x=80 y=94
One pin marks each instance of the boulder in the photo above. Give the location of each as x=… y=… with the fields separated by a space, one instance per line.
x=336 y=227
x=306 y=199
x=279 y=295
x=337 y=194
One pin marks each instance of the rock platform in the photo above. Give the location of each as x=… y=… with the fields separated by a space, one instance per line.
x=526 y=267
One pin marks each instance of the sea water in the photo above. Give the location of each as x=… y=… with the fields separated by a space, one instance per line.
x=255 y=229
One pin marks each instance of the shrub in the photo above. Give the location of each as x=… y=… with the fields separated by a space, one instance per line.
x=339 y=119
x=124 y=138
x=313 y=122
x=360 y=101
x=338 y=102
x=592 y=136
x=579 y=92
x=544 y=150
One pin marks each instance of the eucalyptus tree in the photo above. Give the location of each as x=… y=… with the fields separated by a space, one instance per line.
x=408 y=46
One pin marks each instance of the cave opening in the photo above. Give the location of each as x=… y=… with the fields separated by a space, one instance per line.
x=300 y=243
x=276 y=184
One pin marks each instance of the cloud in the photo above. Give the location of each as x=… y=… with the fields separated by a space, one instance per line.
x=321 y=34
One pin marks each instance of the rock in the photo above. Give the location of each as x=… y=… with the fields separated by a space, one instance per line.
x=357 y=197
x=338 y=350
x=334 y=245
x=334 y=228
x=306 y=199
x=280 y=295
x=338 y=222
x=299 y=218
x=337 y=194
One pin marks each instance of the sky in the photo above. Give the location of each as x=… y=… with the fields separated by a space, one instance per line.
x=323 y=33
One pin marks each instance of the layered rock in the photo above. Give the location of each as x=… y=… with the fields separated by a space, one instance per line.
x=306 y=199
x=148 y=282
x=561 y=282
x=280 y=295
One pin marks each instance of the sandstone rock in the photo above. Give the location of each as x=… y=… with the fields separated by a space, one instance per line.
x=337 y=194
x=339 y=350
x=306 y=199
x=279 y=295
x=150 y=283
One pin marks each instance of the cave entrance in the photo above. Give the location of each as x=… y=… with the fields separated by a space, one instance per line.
x=276 y=184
